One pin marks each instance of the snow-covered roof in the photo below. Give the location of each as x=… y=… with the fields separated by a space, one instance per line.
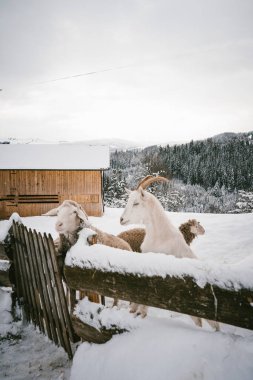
x=54 y=156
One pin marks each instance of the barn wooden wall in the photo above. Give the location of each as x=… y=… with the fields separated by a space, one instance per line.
x=34 y=192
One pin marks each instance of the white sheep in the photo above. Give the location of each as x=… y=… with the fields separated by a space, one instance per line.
x=71 y=219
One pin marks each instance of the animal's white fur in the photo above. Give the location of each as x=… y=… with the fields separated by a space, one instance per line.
x=71 y=218
x=161 y=236
x=135 y=236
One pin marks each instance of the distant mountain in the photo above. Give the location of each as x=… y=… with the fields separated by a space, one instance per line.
x=228 y=136
x=12 y=140
x=114 y=144
x=123 y=145
x=224 y=137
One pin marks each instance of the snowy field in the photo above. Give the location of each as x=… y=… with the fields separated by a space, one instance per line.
x=163 y=346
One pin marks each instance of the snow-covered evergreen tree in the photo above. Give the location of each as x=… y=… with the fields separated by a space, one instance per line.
x=244 y=202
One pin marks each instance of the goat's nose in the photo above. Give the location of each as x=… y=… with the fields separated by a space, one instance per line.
x=121 y=220
x=59 y=224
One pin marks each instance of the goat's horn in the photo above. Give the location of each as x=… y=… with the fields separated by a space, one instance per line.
x=143 y=180
x=150 y=179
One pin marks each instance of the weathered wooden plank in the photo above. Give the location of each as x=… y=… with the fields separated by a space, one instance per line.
x=34 y=281
x=63 y=307
x=37 y=272
x=182 y=295
x=22 y=272
x=61 y=328
x=91 y=334
x=48 y=313
x=31 y=285
x=18 y=281
x=51 y=294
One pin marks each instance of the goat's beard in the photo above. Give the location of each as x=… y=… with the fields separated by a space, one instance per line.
x=71 y=237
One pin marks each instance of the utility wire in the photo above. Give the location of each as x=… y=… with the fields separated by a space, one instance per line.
x=86 y=74
x=82 y=75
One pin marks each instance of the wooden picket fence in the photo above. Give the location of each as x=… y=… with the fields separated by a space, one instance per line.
x=39 y=285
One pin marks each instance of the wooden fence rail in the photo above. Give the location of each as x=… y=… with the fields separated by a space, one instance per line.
x=39 y=284
x=182 y=295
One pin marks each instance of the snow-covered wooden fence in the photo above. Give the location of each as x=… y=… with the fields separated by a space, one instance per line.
x=39 y=285
x=180 y=294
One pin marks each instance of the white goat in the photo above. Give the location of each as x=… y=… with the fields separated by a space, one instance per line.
x=161 y=236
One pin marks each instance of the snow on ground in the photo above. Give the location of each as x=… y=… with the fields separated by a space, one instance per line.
x=25 y=354
x=163 y=346
x=32 y=356
x=7 y=327
x=164 y=349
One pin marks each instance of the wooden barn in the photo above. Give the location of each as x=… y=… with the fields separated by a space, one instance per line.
x=37 y=177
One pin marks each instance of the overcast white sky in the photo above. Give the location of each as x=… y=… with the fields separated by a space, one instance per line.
x=187 y=69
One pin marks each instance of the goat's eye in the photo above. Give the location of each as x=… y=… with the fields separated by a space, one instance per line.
x=136 y=204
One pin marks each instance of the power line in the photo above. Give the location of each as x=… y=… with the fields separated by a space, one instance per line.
x=85 y=74
x=79 y=75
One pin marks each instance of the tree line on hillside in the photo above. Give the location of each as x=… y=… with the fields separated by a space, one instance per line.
x=208 y=175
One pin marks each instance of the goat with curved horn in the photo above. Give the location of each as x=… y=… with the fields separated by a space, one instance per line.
x=161 y=236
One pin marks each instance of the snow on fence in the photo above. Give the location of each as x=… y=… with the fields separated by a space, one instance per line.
x=223 y=294
x=182 y=295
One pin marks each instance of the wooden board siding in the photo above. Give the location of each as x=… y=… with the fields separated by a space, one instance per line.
x=29 y=192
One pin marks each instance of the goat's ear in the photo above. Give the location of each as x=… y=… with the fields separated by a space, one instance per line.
x=82 y=214
x=52 y=212
x=142 y=193
x=128 y=191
